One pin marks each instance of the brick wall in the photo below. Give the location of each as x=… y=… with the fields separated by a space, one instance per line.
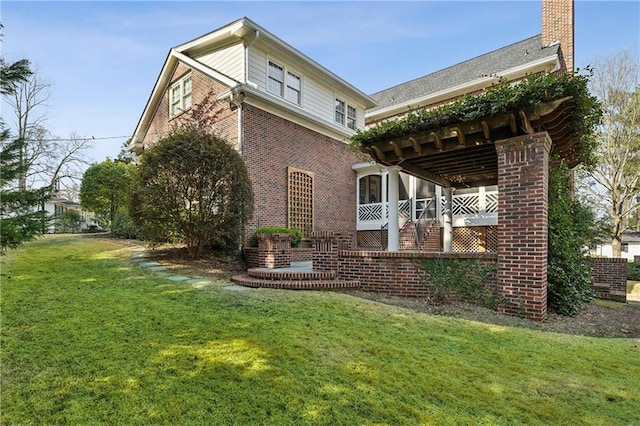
x=272 y=143
x=609 y=277
x=523 y=170
x=226 y=125
x=326 y=246
x=397 y=274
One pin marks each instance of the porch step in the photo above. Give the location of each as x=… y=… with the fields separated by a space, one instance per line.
x=293 y=284
x=289 y=274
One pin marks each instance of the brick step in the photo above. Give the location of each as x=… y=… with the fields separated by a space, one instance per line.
x=288 y=275
x=248 y=281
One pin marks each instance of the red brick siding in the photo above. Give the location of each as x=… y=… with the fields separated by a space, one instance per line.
x=396 y=274
x=227 y=121
x=271 y=144
x=558 y=25
x=609 y=277
x=523 y=170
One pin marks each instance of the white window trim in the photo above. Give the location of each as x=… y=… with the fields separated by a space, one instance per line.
x=182 y=102
x=345 y=113
x=286 y=83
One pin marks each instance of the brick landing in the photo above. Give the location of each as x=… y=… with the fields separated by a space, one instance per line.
x=299 y=276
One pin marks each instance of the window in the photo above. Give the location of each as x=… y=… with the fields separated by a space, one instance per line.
x=345 y=114
x=300 y=200
x=339 y=117
x=351 y=117
x=293 y=88
x=275 y=84
x=180 y=96
x=284 y=83
x=371 y=189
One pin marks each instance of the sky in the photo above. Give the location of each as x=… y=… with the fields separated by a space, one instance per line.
x=102 y=58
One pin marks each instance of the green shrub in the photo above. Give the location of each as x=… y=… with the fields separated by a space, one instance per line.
x=296 y=234
x=123 y=227
x=464 y=279
x=571 y=229
x=633 y=271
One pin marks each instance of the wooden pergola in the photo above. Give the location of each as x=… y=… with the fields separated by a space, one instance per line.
x=511 y=150
x=463 y=155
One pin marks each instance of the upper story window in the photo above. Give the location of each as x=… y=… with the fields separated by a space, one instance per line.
x=345 y=114
x=180 y=96
x=284 y=83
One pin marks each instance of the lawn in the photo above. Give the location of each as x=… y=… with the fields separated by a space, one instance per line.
x=89 y=337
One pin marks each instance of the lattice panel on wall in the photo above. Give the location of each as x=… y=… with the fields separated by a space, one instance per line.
x=300 y=200
x=372 y=239
x=476 y=239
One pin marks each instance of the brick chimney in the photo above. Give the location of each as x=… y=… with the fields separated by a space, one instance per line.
x=558 y=26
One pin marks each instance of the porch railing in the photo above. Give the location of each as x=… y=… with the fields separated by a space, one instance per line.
x=476 y=209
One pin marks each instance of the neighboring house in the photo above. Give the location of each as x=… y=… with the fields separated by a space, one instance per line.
x=57 y=205
x=291 y=120
x=630 y=246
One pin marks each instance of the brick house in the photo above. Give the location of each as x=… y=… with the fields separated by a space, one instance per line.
x=291 y=119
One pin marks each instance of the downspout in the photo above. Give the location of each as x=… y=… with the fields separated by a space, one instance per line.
x=246 y=59
x=236 y=98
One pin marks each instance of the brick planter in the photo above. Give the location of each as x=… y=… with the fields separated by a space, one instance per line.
x=273 y=251
x=609 y=278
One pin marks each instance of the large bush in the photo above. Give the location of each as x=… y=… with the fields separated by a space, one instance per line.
x=571 y=230
x=194 y=188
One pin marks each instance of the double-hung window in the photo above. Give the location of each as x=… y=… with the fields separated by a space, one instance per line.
x=339 y=111
x=180 y=96
x=344 y=114
x=284 y=83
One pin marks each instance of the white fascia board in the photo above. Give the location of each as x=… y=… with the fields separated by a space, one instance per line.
x=228 y=31
x=464 y=88
x=153 y=102
x=288 y=111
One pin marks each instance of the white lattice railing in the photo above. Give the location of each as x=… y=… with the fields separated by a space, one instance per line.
x=474 y=209
x=479 y=208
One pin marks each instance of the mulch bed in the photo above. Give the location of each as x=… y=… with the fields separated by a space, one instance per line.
x=597 y=319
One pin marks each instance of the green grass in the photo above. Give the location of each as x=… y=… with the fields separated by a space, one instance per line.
x=89 y=337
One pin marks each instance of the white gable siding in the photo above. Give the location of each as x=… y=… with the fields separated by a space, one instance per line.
x=258 y=68
x=228 y=60
x=317 y=97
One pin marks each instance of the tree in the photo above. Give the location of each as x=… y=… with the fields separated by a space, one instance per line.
x=47 y=160
x=106 y=187
x=194 y=187
x=612 y=187
x=21 y=215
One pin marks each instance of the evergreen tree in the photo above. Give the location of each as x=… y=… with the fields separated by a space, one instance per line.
x=22 y=215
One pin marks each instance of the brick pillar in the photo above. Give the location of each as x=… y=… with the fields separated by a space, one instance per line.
x=326 y=245
x=523 y=175
x=274 y=250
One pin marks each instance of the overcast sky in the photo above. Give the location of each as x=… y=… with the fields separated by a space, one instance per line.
x=103 y=58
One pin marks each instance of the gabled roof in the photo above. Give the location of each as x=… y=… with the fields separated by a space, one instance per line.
x=483 y=70
x=242 y=29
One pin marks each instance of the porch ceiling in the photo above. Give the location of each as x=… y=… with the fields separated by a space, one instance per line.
x=463 y=155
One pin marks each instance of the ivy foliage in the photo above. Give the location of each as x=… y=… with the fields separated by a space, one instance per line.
x=572 y=229
x=195 y=189
x=500 y=98
x=464 y=279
